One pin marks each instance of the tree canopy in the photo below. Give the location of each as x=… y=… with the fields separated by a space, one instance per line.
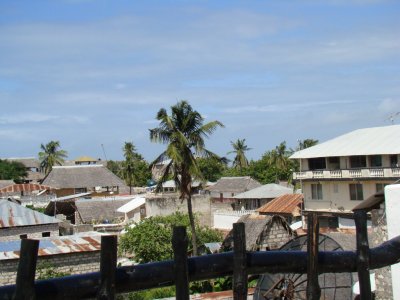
x=150 y=239
x=183 y=132
x=12 y=170
x=51 y=155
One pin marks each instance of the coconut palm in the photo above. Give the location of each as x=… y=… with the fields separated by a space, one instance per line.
x=128 y=166
x=239 y=148
x=51 y=155
x=183 y=131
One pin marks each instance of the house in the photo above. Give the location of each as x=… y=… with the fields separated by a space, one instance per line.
x=83 y=178
x=259 y=196
x=339 y=173
x=32 y=165
x=18 y=222
x=86 y=160
x=73 y=254
x=22 y=189
x=227 y=187
x=134 y=210
x=287 y=206
x=262 y=233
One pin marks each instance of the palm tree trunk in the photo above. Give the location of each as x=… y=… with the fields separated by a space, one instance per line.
x=192 y=224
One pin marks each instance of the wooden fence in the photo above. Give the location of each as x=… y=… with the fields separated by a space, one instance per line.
x=179 y=272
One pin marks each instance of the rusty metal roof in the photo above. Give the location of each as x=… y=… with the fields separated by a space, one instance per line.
x=12 y=215
x=285 y=204
x=85 y=242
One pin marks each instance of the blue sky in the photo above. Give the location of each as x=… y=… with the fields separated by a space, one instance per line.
x=88 y=73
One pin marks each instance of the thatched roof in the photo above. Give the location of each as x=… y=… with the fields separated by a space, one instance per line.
x=81 y=176
x=94 y=210
x=255 y=225
x=234 y=185
x=29 y=162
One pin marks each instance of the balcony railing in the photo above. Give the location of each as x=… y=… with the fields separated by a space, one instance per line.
x=348 y=173
x=239 y=263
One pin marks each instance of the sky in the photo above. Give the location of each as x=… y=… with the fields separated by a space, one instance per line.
x=91 y=73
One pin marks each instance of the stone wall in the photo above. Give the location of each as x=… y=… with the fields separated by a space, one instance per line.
x=275 y=237
x=71 y=263
x=35 y=232
x=383 y=278
x=163 y=205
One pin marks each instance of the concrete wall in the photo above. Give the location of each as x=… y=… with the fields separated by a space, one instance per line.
x=166 y=204
x=336 y=194
x=73 y=263
x=13 y=233
x=225 y=220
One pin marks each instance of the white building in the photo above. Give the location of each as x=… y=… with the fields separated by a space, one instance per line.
x=337 y=174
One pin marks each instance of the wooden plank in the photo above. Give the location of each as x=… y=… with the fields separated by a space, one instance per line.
x=25 y=282
x=180 y=246
x=360 y=218
x=108 y=267
x=239 y=262
x=313 y=288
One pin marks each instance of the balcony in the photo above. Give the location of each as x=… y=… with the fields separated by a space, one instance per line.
x=348 y=173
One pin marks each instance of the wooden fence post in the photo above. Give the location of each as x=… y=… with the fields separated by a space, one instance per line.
x=239 y=262
x=313 y=288
x=108 y=267
x=360 y=218
x=180 y=245
x=25 y=283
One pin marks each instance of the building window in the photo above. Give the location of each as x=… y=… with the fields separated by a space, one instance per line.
x=80 y=190
x=356 y=191
x=376 y=161
x=316 y=191
x=380 y=187
x=358 y=162
x=394 y=161
x=317 y=163
x=334 y=163
x=46 y=234
x=23 y=236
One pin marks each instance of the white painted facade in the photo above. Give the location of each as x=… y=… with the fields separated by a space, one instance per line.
x=225 y=219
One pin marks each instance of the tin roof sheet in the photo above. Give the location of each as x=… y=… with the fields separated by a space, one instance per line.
x=52 y=246
x=266 y=191
x=12 y=215
x=285 y=204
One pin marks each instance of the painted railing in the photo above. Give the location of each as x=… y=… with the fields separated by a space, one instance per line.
x=348 y=173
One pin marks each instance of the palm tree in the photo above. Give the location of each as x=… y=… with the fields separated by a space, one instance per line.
x=183 y=131
x=239 y=148
x=303 y=144
x=128 y=167
x=51 y=155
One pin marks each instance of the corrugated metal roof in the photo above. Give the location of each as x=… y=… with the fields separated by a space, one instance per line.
x=271 y=190
x=12 y=215
x=52 y=246
x=285 y=204
x=132 y=205
x=367 y=141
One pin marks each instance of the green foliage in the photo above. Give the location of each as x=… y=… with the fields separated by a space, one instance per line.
x=212 y=169
x=12 y=170
x=158 y=293
x=39 y=209
x=46 y=270
x=51 y=155
x=114 y=166
x=150 y=240
x=239 y=148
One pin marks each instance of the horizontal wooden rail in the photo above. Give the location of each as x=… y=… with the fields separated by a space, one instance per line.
x=157 y=274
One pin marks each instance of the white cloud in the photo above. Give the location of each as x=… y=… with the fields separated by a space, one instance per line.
x=21 y=118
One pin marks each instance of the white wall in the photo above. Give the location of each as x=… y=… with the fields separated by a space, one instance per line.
x=225 y=220
x=392 y=202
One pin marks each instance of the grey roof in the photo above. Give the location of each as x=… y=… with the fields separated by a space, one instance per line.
x=234 y=184
x=12 y=215
x=81 y=176
x=367 y=141
x=254 y=227
x=29 y=162
x=90 y=210
x=267 y=191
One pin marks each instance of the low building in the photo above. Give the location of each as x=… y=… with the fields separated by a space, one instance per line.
x=259 y=196
x=262 y=233
x=32 y=165
x=18 y=222
x=287 y=206
x=76 y=254
x=77 y=179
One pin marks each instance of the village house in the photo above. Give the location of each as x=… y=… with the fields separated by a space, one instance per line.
x=287 y=206
x=259 y=196
x=338 y=174
x=32 y=166
x=18 y=222
x=262 y=233
x=77 y=179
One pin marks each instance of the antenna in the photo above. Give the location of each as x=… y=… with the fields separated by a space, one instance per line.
x=104 y=152
x=393 y=116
